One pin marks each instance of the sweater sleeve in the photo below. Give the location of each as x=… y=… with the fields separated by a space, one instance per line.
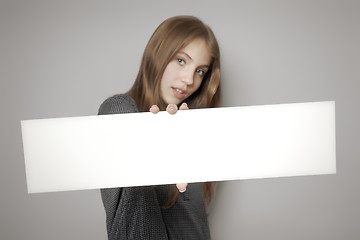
x=131 y=212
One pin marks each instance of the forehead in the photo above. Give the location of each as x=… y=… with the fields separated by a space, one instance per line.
x=199 y=51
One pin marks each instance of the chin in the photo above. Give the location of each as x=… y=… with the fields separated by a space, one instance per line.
x=173 y=101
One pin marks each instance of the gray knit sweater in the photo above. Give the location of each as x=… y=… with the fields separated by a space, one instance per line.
x=136 y=213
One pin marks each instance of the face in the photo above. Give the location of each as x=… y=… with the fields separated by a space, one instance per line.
x=184 y=73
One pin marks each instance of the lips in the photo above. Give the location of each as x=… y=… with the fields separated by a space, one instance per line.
x=179 y=93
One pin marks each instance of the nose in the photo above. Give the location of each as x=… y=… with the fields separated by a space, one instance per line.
x=187 y=77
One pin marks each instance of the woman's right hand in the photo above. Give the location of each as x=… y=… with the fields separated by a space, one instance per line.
x=172 y=109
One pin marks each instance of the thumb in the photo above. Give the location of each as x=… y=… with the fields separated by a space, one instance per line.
x=181 y=186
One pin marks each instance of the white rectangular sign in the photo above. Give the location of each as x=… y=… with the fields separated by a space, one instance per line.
x=200 y=145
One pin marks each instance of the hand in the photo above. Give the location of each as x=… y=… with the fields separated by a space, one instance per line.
x=172 y=109
x=181 y=187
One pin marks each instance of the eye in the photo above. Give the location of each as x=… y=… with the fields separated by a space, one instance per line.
x=180 y=61
x=200 y=72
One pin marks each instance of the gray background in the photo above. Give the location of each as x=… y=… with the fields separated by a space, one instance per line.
x=63 y=58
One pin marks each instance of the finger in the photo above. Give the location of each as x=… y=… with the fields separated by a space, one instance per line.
x=171 y=108
x=154 y=109
x=184 y=106
x=181 y=187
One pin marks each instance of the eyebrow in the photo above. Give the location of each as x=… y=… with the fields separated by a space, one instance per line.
x=204 y=66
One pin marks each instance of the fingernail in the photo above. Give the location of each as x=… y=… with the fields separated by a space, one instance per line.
x=154 y=109
x=171 y=108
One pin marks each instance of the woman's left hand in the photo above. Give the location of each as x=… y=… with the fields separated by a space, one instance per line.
x=172 y=109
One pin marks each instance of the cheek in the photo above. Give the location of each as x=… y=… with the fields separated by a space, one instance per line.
x=196 y=85
x=168 y=75
x=164 y=82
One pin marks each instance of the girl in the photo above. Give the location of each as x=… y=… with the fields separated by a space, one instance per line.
x=180 y=68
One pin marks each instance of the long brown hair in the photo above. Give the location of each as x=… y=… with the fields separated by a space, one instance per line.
x=169 y=38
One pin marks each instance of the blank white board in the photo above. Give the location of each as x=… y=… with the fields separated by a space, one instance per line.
x=200 y=145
